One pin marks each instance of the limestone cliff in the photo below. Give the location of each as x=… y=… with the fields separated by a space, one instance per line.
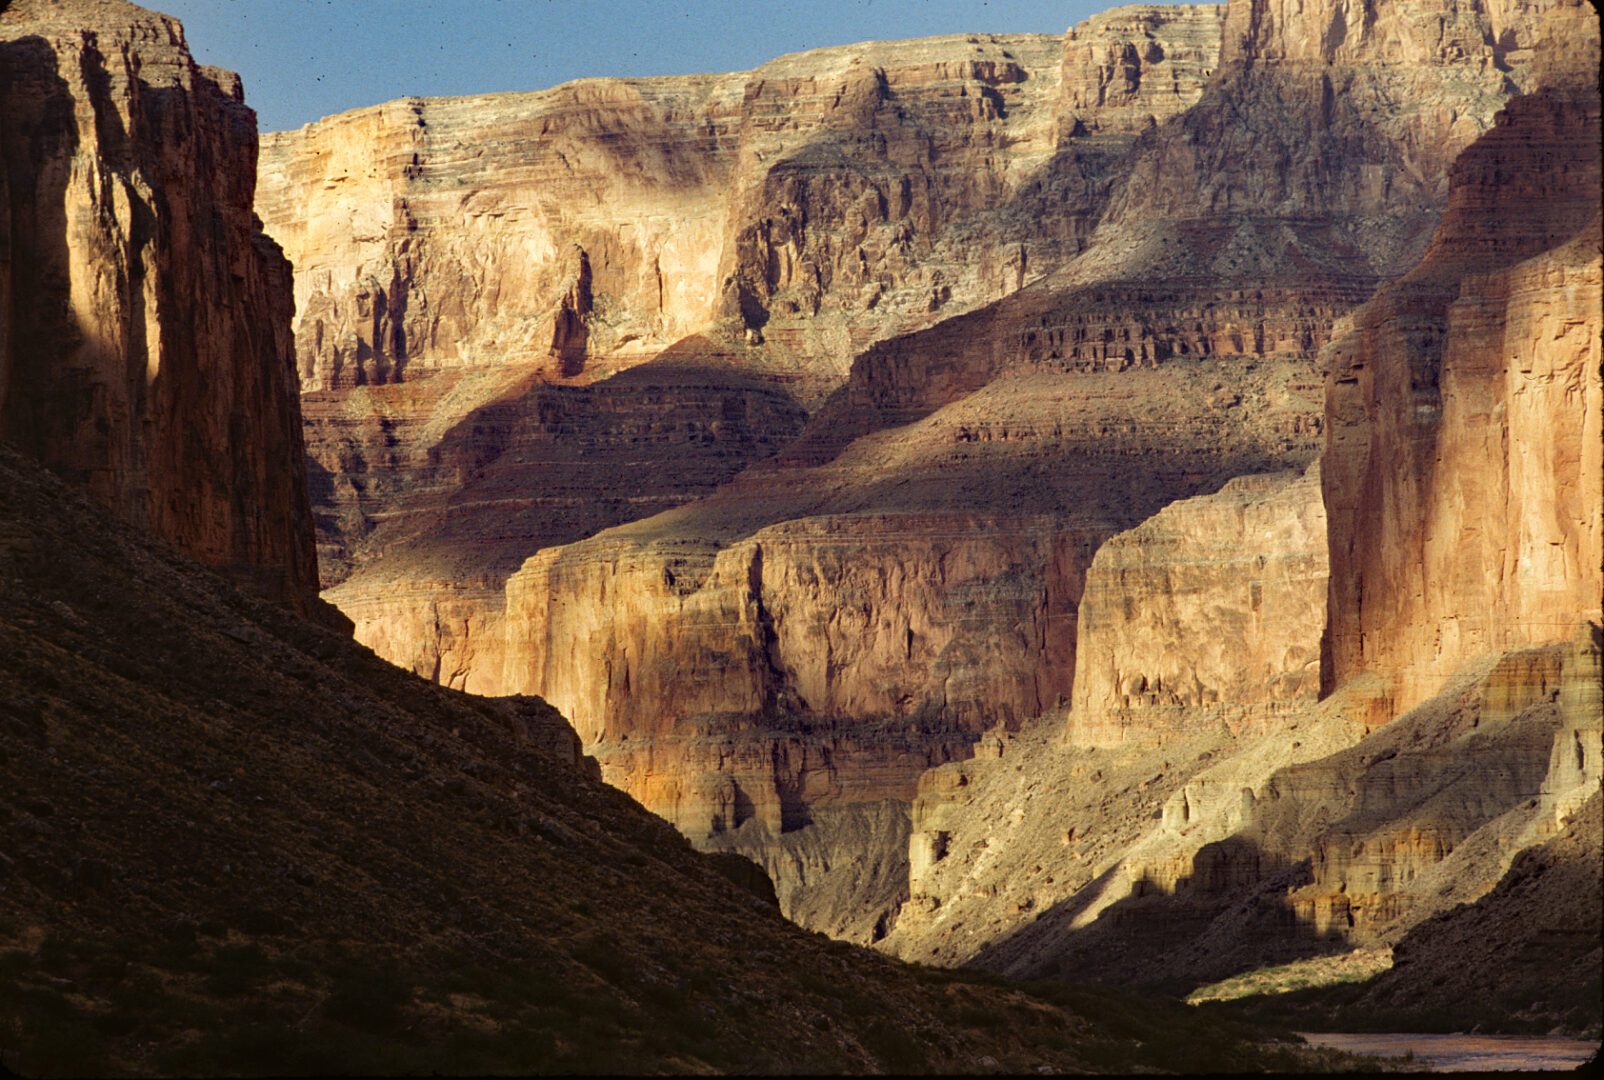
x=145 y=348
x=821 y=201
x=1210 y=611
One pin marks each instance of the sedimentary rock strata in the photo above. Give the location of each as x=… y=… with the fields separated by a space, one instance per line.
x=1464 y=409
x=1228 y=288
x=593 y=225
x=493 y=292
x=1209 y=611
x=1460 y=722
x=448 y=481
x=145 y=348
x=812 y=637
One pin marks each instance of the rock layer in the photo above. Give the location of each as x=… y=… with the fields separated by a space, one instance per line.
x=145 y=348
x=448 y=481
x=809 y=638
x=476 y=275
x=821 y=201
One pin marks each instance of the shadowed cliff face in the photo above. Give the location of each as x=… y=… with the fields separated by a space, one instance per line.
x=145 y=348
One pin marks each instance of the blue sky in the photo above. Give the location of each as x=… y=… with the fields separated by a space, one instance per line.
x=303 y=59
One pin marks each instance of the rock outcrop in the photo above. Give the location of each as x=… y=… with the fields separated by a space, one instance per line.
x=1546 y=970
x=812 y=637
x=145 y=337
x=1210 y=855
x=1210 y=611
x=450 y=481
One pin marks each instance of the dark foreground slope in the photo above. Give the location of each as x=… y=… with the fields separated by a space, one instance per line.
x=235 y=843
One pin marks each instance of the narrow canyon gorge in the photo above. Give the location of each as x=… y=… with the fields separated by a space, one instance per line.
x=1122 y=507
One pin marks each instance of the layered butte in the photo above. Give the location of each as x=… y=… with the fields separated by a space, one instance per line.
x=145 y=341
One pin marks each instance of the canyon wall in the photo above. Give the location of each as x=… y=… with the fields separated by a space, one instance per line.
x=524 y=318
x=1464 y=407
x=1460 y=722
x=821 y=201
x=1208 y=612
x=1179 y=349
x=145 y=348
x=1031 y=290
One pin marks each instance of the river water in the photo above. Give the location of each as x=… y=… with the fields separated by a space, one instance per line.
x=1465 y=1053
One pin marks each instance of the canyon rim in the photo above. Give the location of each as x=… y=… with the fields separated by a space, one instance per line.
x=1121 y=507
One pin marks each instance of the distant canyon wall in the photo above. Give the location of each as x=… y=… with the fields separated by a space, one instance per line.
x=145 y=320
x=821 y=201
x=525 y=318
x=1153 y=834
x=1030 y=291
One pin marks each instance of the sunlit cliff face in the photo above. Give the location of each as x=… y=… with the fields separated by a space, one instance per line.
x=1030 y=290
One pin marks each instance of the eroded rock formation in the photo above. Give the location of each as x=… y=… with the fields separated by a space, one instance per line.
x=1210 y=854
x=881 y=609
x=1209 y=611
x=1460 y=722
x=819 y=202
x=1186 y=335
x=1079 y=280
x=145 y=348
